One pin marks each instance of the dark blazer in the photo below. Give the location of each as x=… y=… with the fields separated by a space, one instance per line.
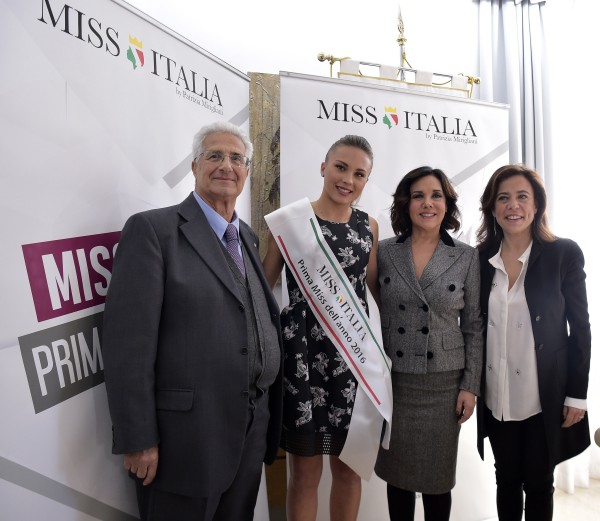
x=556 y=297
x=175 y=362
x=432 y=324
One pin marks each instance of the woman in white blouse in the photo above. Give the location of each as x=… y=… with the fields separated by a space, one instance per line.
x=538 y=341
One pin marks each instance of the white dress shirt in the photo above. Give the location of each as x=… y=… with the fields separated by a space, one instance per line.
x=511 y=380
x=511 y=372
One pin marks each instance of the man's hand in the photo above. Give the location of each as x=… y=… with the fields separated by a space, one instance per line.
x=143 y=464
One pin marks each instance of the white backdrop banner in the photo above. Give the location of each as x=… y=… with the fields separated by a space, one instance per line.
x=98 y=107
x=466 y=139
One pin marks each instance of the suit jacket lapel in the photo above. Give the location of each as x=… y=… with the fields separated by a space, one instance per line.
x=487 y=275
x=401 y=256
x=251 y=247
x=444 y=256
x=536 y=250
x=442 y=259
x=201 y=236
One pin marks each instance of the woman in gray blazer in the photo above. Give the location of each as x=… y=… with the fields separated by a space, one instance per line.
x=538 y=344
x=432 y=332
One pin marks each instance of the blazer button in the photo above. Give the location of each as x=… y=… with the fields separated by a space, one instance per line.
x=401 y=307
x=429 y=355
x=452 y=287
x=241 y=307
x=425 y=308
x=244 y=350
x=540 y=347
x=399 y=354
x=425 y=330
x=538 y=318
x=401 y=330
x=386 y=280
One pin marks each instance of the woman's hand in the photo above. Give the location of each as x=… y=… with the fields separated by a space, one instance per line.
x=465 y=405
x=571 y=416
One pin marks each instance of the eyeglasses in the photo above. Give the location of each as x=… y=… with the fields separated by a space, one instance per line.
x=216 y=156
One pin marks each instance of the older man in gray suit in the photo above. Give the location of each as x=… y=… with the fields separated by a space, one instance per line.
x=192 y=349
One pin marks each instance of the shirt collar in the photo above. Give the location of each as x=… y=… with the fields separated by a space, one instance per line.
x=217 y=222
x=496 y=260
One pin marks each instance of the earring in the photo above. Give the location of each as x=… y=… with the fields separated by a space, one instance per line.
x=322 y=174
x=495 y=232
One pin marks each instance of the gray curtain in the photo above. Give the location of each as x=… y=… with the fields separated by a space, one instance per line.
x=514 y=70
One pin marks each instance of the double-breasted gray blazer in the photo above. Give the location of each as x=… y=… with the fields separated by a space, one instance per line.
x=432 y=324
x=174 y=346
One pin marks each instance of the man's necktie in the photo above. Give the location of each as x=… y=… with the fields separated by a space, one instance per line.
x=231 y=239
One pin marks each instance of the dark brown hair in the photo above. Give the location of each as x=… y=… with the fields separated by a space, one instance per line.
x=401 y=223
x=489 y=234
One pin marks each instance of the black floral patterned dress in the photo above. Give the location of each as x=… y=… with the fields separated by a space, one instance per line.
x=319 y=386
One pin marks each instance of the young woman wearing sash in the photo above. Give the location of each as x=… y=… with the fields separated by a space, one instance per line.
x=319 y=387
x=432 y=332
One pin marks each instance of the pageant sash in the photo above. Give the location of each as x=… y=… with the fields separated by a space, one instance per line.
x=357 y=338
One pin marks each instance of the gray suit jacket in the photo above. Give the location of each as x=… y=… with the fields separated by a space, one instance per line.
x=432 y=324
x=174 y=340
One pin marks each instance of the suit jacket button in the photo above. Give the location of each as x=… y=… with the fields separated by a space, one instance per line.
x=244 y=350
x=425 y=308
x=401 y=330
x=540 y=347
x=399 y=354
x=386 y=280
x=401 y=307
x=452 y=287
x=538 y=318
x=429 y=355
x=241 y=307
x=425 y=330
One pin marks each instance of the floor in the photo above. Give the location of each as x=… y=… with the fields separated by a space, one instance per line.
x=583 y=505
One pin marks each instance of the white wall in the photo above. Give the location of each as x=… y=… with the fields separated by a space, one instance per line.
x=577 y=184
x=270 y=36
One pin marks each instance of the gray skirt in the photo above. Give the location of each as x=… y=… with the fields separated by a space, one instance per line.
x=424 y=441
